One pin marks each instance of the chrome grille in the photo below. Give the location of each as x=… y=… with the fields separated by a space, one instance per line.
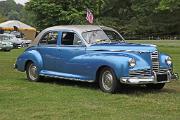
x=134 y=73
x=147 y=72
x=164 y=71
x=155 y=61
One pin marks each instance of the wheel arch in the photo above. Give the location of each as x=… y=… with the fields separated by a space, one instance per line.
x=102 y=67
x=26 y=63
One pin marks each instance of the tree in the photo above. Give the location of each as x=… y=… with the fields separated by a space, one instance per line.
x=60 y=12
x=2 y=18
x=169 y=5
x=9 y=10
x=128 y=16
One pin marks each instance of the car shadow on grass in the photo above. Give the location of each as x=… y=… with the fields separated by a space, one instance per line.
x=64 y=82
x=125 y=89
x=140 y=90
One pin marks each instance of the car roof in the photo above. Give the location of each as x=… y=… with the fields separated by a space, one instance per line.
x=77 y=28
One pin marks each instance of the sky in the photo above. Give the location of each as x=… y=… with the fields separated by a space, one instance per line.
x=19 y=1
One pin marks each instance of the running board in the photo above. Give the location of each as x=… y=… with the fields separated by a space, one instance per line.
x=52 y=74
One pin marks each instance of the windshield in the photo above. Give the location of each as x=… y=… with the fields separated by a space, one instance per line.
x=99 y=36
x=113 y=36
x=95 y=36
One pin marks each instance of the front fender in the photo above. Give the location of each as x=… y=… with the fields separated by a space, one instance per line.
x=93 y=62
x=31 y=55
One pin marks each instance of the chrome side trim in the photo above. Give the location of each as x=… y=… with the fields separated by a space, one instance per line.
x=72 y=79
x=118 y=50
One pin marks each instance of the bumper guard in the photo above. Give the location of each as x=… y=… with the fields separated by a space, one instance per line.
x=149 y=79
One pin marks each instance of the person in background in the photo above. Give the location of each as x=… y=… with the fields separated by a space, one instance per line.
x=1 y=30
x=17 y=33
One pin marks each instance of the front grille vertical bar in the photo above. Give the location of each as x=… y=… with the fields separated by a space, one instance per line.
x=155 y=61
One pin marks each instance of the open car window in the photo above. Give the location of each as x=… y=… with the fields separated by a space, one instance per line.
x=49 y=38
x=70 y=38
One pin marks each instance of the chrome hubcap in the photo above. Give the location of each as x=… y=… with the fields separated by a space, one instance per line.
x=33 y=72
x=107 y=80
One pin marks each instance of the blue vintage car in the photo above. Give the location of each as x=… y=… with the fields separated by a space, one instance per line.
x=95 y=54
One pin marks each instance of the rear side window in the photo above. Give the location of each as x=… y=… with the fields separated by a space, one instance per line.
x=49 y=38
x=70 y=38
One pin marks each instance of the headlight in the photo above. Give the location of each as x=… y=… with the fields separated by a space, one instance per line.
x=169 y=60
x=132 y=62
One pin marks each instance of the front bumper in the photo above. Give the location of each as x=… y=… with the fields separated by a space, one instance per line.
x=149 y=79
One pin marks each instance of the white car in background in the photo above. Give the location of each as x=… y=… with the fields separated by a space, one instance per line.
x=17 y=42
x=5 y=45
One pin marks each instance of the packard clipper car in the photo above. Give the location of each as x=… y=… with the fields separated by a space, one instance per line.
x=92 y=53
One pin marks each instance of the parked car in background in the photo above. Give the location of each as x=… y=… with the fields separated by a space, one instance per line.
x=5 y=45
x=95 y=54
x=17 y=42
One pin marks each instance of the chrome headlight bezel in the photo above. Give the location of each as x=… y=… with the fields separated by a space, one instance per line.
x=132 y=62
x=168 y=60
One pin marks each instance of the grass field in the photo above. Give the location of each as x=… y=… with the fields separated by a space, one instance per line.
x=60 y=99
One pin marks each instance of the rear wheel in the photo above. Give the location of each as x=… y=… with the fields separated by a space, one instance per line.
x=32 y=73
x=108 y=81
x=157 y=86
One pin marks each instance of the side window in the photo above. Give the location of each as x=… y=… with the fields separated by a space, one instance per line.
x=70 y=38
x=49 y=38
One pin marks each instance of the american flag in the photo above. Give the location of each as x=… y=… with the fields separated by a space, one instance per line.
x=89 y=16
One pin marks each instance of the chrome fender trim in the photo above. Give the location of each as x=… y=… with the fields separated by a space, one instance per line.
x=73 y=79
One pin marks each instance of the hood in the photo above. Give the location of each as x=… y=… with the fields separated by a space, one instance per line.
x=123 y=46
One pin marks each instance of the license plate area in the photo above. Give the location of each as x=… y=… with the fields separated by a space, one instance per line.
x=162 y=77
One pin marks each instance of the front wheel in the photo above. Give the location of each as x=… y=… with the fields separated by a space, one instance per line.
x=108 y=81
x=157 y=86
x=32 y=73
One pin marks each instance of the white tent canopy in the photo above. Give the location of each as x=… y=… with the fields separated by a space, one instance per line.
x=28 y=31
x=12 y=23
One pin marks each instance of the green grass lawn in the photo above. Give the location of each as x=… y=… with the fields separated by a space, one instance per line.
x=60 y=99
